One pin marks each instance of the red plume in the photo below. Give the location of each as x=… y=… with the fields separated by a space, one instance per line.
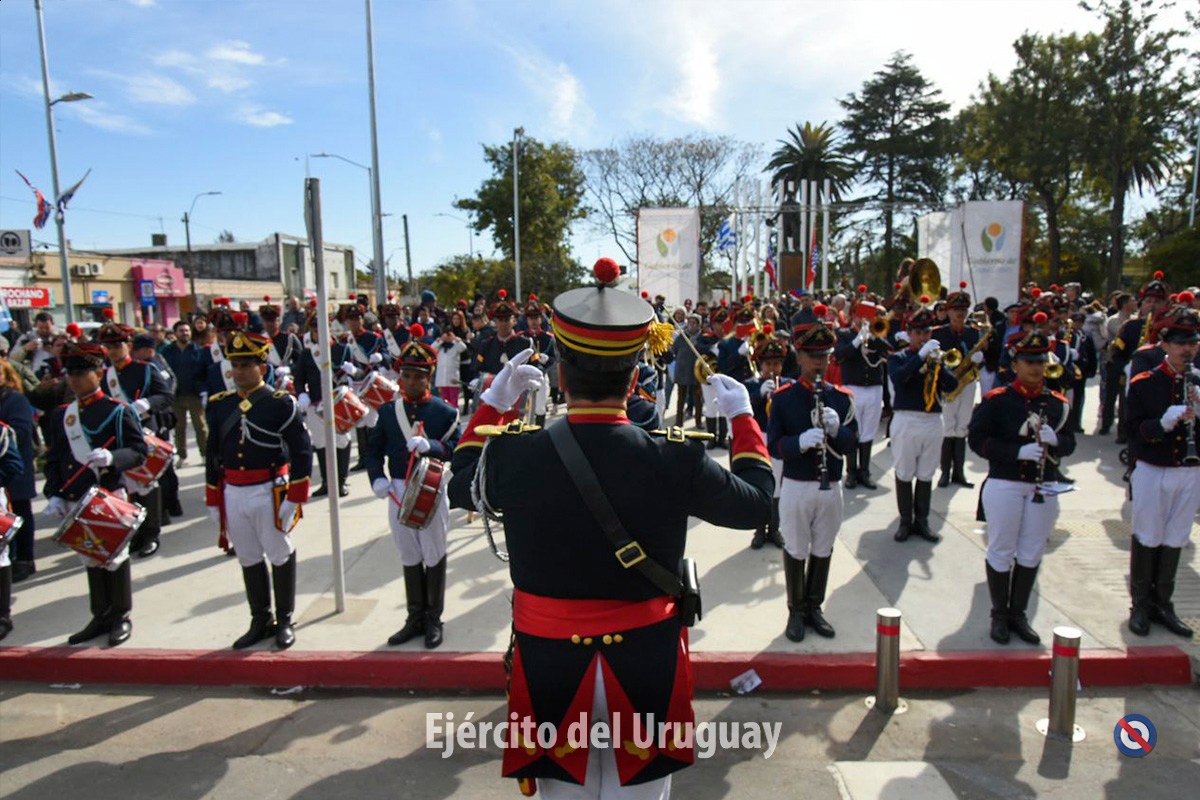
x=820 y=309
x=312 y=303
x=1173 y=297
x=1158 y=275
x=417 y=330
x=1187 y=298
x=503 y=293
x=1035 y=292
x=1039 y=318
x=108 y=313
x=645 y=295
x=266 y=298
x=962 y=284
x=723 y=303
x=606 y=270
x=533 y=295
x=768 y=328
x=897 y=285
x=220 y=301
x=923 y=299
x=390 y=296
x=74 y=330
x=240 y=318
x=862 y=288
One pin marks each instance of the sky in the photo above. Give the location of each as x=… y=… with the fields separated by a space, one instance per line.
x=196 y=96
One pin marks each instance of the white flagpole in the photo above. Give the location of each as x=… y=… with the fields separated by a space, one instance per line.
x=804 y=234
x=758 y=264
x=813 y=200
x=825 y=234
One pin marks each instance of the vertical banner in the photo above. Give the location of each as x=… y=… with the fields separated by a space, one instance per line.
x=980 y=243
x=669 y=253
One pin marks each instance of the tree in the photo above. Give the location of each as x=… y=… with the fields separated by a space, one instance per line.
x=896 y=130
x=225 y=237
x=551 y=199
x=1026 y=128
x=812 y=154
x=646 y=172
x=1137 y=106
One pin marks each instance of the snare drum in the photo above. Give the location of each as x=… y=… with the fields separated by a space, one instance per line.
x=100 y=525
x=285 y=383
x=423 y=492
x=10 y=523
x=347 y=409
x=376 y=390
x=158 y=458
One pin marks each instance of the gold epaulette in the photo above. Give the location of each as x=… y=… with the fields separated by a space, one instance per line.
x=219 y=396
x=514 y=427
x=280 y=393
x=674 y=434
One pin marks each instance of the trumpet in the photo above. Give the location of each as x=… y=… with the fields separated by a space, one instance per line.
x=1054 y=367
x=947 y=358
x=880 y=326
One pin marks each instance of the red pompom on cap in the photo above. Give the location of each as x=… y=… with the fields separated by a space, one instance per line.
x=74 y=330
x=533 y=295
x=962 y=284
x=108 y=313
x=923 y=299
x=220 y=301
x=768 y=328
x=645 y=295
x=606 y=271
x=820 y=309
x=240 y=318
x=897 y=285
x=1158 y=274
x=862 y=288
x=417 y=330
x=1187 y=298
x=1039 y=318
x=723 y=303
x=1173 y=298
x=503 y=293
x=390 y=296
x=1035 y=292
x=266 y=298
x=312 y=303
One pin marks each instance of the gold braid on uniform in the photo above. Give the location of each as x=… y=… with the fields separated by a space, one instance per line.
x=929 y=391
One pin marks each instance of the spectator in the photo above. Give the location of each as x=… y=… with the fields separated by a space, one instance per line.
x=33 y=348
x=294 y=315
x=17 y=413
x=183 y=357
x=28 y=379
x=447 y=374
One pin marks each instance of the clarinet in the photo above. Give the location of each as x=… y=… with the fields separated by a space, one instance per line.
x=819 y=414
x=1192 y=457
x=1039 y=420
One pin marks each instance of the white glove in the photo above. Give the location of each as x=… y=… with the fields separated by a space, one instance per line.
x=713 y=349
x=287 y=510
x=977 y=357
x=862 y=335
x=214 y=513
x=1074 y=354
x=348 y=369
x=375 y=358
x=304 y=401
x=204 y=399
x=730 y=395
x=928 y=348
x=100 y=458
x=831 y=421
x=57 y=508
x=283 y=372
x=516 y=378
x=142 y=407
x=1195 y=393
x=1030 y=452
x=419 y=444
x=902 y=337
x=1048 y=436
x=369 y=420
x=1170 y=417
x=811 y=438
x=744 y=349
x=380 y=487
x=766 y=388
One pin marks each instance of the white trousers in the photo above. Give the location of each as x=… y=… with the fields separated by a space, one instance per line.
x=777 y=471
x=987 y=380
x=250 y=516
x=426 y=546
x=916 y=444
x=1165 y=500
x=1017 y=527
x=957 y=415
x=316 y=431
x=809 y=518
x=868 y=407
x=601 y=781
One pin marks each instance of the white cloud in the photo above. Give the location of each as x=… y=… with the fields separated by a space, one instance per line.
x=261 y=118
x=96 y=114
x=142 y=3
x=694 y=99
x=559 y=91
x=175 y=58
x=148 y=87
x=228 y=83
x=236 y=51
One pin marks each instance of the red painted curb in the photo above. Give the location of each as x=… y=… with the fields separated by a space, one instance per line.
x=1135 y=666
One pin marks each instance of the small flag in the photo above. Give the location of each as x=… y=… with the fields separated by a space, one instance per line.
x=814 y=258
x=770 y=265
x=726 y=235
x=44 y=208
x=797 y=293
x=66 y=196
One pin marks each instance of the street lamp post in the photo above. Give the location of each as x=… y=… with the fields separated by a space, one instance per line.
x=376 y=224
x=470 y=236
x=516 y=149
x=376 y=203
x=58 y=213
x=187 y=232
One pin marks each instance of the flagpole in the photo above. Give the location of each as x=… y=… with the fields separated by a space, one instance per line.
x=804 y=232
x=758 y=236
x=58 y=214
x=825 y=234
x=813 y=199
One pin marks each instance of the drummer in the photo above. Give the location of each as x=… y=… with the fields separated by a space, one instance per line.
x=92 y=441
x=417 y=425
x=142 y=386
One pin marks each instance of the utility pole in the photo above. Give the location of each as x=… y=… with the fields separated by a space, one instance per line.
x=408 y=257
x=516 y=149
x=376 y=204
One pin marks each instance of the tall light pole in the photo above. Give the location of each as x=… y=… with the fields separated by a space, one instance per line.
x=516 y=149
x=376 y=204
x=187 y=232
x=58 y=213
x=376 y=220
x=470 y=236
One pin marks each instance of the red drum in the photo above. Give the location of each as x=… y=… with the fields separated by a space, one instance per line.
x=9 y=525
x=347 y=409
x=376 y=390
x=422 y=493
x=100 y=525
x=157 y=461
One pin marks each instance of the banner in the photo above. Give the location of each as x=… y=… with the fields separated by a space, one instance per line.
x=980 y=243
x=669 y=253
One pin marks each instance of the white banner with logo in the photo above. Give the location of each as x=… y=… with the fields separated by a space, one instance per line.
x=980 y=243
x=669 y=253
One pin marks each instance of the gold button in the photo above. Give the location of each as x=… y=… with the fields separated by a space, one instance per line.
x=587 y=640
x=575 y=638
x=607 y=639
x=618 y=638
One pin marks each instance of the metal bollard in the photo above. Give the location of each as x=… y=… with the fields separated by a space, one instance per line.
x=887 y=663
x=1064 y=680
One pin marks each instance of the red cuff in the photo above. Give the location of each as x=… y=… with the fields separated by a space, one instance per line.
x=484 y=415
x=212 y=495
x=298 y=491
x=748 y=442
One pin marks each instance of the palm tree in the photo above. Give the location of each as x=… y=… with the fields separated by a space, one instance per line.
x=812 y=154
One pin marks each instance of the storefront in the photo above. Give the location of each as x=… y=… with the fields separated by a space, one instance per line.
x=158 y=285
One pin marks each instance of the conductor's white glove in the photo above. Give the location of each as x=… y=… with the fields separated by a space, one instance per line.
x=977 y=357
x=376 y=358
x=380 y=487
x=902 y=337
x=348 y=369
x=831 y=421
x=100 y=458
x=511 y=382
x=1030 y=452
x=1048 y=436
x=928 y=348
x=766 y=388
x=811 y=438
x=304 y=401
x=1171 y=416
x=369 y=420
x=418 y=443
x=57 y=508
x=142 y=407
x=730 y=395
x=287 y=510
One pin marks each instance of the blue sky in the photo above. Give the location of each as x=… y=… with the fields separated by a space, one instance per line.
x=229 y=95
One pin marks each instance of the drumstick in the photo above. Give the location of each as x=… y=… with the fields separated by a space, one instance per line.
x=412 y=454
x=79 y=471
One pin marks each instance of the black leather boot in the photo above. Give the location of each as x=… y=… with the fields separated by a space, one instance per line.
x=852 y=468
x=759 y=538
x=540 y=421
x=814 y=595
x=921 y=499
x=1018 y=601
x=435 y=603
x=1162 y=610
x=361 y=435
x=960 y=463
x=793 y=576
x=414 y=597
x=722 y=433
x=5 y=600
x=148 y=534
x=864 y=466
x=120 y=587
x=343 y=468
x=998 y=590
x=283 y=578
x=710 y=425
x=947 y=462
x=1141 y=580
x=324 y=490
x=98 y=598
x=258 y=595
x=773 y=534
x=904 y=502
x=170 y=493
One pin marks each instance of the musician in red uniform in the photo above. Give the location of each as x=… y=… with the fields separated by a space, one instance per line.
x=93 y=440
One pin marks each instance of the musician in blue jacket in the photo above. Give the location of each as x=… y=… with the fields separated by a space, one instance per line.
x=421 y=425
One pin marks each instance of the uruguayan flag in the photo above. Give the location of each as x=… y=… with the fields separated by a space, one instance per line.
x=726 y=235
